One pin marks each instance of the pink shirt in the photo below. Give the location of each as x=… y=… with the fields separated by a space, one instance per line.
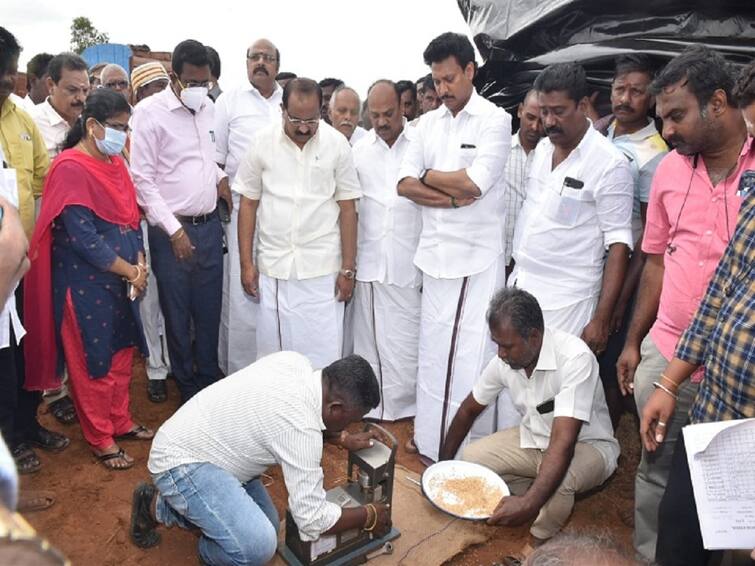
x=173 y=159
x=700 y=238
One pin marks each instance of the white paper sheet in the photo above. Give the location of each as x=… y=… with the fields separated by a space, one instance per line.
x=721 y=458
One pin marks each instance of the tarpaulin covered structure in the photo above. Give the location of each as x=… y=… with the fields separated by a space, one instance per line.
x=517 y=38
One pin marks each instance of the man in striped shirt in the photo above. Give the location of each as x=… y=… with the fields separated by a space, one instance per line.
x=207 y=459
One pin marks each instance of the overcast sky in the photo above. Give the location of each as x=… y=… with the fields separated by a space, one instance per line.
x=354 y=40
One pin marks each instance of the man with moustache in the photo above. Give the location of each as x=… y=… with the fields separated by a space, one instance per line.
x=523 y=143
x=386 y=304
x=409 y=104
x=115 y=78
x=344 y=113
x=239 y=115
x=178 y=185
x=68 y=83
x=429 y=100
x=691 y=216
x=69 y=86
x=328 y=87
x=453 y=168
x=578 y=207
x=298 y=192
x=634 y=133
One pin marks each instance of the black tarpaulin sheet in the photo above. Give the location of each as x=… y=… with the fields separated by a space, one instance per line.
x=517 y=38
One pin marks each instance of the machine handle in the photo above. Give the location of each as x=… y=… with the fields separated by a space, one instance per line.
x=394 y=442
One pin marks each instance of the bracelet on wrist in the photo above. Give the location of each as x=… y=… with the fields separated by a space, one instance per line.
x=673 y=384
x=138 y=274
x=371 y=510
x=178 y=233
x=666 y=390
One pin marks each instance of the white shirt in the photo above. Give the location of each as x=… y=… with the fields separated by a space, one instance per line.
x=389 y=225
x=563 y=232
x=239 y=114
x=52 y=126
x=515 y=191
x=25 y=103
x=567 y=374
x=8 y=314
x=359 y=133
x=298 y=190
x=456 y=242
x=266 y=414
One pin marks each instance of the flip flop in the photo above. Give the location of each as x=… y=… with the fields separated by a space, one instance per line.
x=140 y=432
x=105 y=458
x=26 y=459
x=63 y=410
x=29 y=501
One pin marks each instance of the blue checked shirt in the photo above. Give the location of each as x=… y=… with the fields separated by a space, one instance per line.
x=722 y=334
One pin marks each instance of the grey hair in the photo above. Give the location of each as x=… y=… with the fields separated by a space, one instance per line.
x=112 y=67
x=341 y=88
x=519 y=307
x=577 y=549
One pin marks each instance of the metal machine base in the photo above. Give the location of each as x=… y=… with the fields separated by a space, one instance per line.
x=357 y=556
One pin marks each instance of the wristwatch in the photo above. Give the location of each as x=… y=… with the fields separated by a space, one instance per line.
x=349 y=273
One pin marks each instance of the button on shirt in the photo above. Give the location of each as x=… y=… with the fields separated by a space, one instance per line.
x=456 y=242
x=567 y=374
x=239 y=114
x=389 y=224
x=52 y=126
x=644 y=148
x=298 y=190
x=515 y=192
x=700 y=235
x=266 y=414
x=563 y=232
x=173 y=159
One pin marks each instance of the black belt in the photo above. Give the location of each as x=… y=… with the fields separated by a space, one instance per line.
x=199 y=219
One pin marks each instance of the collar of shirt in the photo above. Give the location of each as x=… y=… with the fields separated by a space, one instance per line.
x=7 y=107
x=546 y=359
x=474 y=106
x=317 y=378
x=173 y=101
x=640 y=135
x=52 y=115
x=310 y=145
x=254 y=90
x=372 y=137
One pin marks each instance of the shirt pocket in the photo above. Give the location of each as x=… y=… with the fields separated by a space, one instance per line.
x=467 y=156
x=322 y=180
x=564 y=207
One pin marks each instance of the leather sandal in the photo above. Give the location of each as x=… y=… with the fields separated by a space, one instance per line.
x=139 y=432
x=48 y=440
x=26 y=459
x=63 y=410
x=34 y=500
x=157 y=392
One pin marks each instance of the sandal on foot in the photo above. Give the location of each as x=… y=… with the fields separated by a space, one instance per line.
x=63 y=410
x=143 y=524
x=107 y=460
x=411 y=447
x=29 y=501
x=139 y=432
x=48 y=440
x=26 y=459
x=157 y=391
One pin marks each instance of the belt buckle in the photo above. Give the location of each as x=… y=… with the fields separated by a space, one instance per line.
x=194 y=221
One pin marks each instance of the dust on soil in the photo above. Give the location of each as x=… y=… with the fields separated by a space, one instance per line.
x=90 y=519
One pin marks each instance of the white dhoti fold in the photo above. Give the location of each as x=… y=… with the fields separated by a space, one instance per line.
x=571 y=319
x=157 y=364
x=454 y=347
x=237 y=344
x=386 y=333
x=302 y=316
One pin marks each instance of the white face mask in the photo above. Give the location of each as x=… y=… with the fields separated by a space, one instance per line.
x=193 y=97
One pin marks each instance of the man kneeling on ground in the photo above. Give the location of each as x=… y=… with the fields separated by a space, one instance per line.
x=564 y=444
x=207 y=459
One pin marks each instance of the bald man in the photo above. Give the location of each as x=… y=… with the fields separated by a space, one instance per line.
x=386 y=304
x=239 y=115
x=343 y=110
x=115 y=78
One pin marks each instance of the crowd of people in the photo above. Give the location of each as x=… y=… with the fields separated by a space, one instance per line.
x=405 y=256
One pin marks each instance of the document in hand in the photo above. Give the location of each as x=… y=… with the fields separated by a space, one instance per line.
x=721 y=458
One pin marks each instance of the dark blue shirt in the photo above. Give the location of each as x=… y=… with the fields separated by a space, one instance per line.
x=83 y=249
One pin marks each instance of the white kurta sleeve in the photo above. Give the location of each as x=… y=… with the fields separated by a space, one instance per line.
x=493 y=148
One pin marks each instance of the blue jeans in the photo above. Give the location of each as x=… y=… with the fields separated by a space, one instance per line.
x=191 y=291
x=239 y=522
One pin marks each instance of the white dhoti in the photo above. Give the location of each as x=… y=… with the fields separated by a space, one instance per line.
x=157 y=364
x=302 y=316
x=571 y=319
x=386 y=333
x=237 y=344
x=454 y=347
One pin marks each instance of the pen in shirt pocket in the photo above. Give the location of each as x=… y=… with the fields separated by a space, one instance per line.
x=572 y=183
x=468 y=146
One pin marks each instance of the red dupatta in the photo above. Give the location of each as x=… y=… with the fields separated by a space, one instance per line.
x=74 y=178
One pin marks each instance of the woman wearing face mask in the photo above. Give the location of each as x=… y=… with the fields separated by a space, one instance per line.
x=87 y=270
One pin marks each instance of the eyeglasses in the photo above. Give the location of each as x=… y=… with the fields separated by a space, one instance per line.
x=120 y=85
x=313 y=123
x=120 y=127
x=261 y=56
x=194 y=84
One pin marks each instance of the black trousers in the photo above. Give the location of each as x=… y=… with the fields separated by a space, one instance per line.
x=18 y=407
x=680 y=542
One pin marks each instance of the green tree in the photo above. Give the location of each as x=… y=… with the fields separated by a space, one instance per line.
x=84 y=34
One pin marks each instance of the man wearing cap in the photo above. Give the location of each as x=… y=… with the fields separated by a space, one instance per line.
x=148 y=79
x=239 y=115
